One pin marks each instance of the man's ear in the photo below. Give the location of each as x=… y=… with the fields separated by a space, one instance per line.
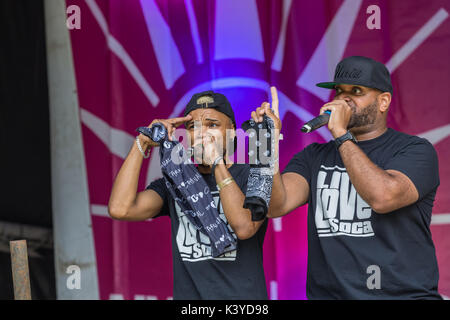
x=384 y=101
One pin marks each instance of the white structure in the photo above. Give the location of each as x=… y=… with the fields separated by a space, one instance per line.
x=72 y=227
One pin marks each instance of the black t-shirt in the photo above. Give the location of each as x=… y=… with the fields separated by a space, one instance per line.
x=238 y=274
x=354 y=252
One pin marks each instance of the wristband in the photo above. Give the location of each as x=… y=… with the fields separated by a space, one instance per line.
x=140 y=148
x=224 y=183
x=347 y=136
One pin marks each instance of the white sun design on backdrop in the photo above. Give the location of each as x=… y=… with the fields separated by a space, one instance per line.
x=169 y=60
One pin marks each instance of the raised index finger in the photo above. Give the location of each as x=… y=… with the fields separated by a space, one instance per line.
x=273 y=91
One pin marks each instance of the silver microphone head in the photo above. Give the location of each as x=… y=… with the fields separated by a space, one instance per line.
x=306 y=128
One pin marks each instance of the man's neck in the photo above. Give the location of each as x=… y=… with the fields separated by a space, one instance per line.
x=362 y=134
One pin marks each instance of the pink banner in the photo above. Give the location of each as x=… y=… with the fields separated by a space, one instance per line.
x=140 y=60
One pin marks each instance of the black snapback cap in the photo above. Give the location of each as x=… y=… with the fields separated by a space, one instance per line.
x=211 y=99
x=362 y=71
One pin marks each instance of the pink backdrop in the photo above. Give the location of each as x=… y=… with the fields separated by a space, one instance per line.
x=140 y=60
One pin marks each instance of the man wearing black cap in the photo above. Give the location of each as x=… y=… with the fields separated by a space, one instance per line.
x=370 y=194
x=237 y=274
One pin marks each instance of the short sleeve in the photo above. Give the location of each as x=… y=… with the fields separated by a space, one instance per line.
x=419 y=161
x=159 y=186
x=301 y=163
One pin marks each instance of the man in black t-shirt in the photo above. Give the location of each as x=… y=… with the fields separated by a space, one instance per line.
x=236 y=274
x=370 y=194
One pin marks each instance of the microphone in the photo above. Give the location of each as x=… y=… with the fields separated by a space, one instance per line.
x=317 y=122
x=157 y=132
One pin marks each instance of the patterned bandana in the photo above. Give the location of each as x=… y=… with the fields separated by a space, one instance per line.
x=190 y=191
x=261 y=148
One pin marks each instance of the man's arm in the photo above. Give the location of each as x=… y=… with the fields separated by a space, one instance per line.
x=232 y=199
x=289 y=191
x=124 y=203
x=383 y=190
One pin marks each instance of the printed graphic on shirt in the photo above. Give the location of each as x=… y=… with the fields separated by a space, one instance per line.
x=340 y=211
x=194 y=245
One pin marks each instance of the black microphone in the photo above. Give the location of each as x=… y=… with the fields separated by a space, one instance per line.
x=317 y=122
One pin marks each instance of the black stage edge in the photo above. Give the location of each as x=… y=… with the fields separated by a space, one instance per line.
x=25 y=139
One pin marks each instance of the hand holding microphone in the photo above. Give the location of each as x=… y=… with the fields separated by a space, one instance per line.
x=336 y=114
x=158 y=128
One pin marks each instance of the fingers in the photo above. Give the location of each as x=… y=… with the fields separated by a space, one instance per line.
x=271 y=115
x=270 y=112
x=327 y=107
x=265 y=108
x=211 y=148
x=275 y=103
x=176 y=122
x=254 y=116
x=257 y=115
x=331 y=106
x=208 y=138
x=169 y=127
x=171 y=124
x=261 y=111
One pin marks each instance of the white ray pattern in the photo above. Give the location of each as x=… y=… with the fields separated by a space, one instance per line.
x=242 y=82
x=416 y=40
x=330 y=50
x=166 y=51
x=301 y=113
x=277 y=62
x=232 y=40
x=194 y=30
x=122 y=54
x=440 y=219
x=436 y=135
x=117 y=141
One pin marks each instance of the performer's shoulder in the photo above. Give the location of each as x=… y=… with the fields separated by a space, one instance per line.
x=408 y=139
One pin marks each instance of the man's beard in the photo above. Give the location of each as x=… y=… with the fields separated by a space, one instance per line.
x=366 y=117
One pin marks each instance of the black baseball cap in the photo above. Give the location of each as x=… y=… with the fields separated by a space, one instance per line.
x=211 y=99
x=362 y=71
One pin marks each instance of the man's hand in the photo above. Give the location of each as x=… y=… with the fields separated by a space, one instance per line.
x=339 y=118
x=274 y=114
x=211 y=150
x=125 y=202
x=170 y=124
